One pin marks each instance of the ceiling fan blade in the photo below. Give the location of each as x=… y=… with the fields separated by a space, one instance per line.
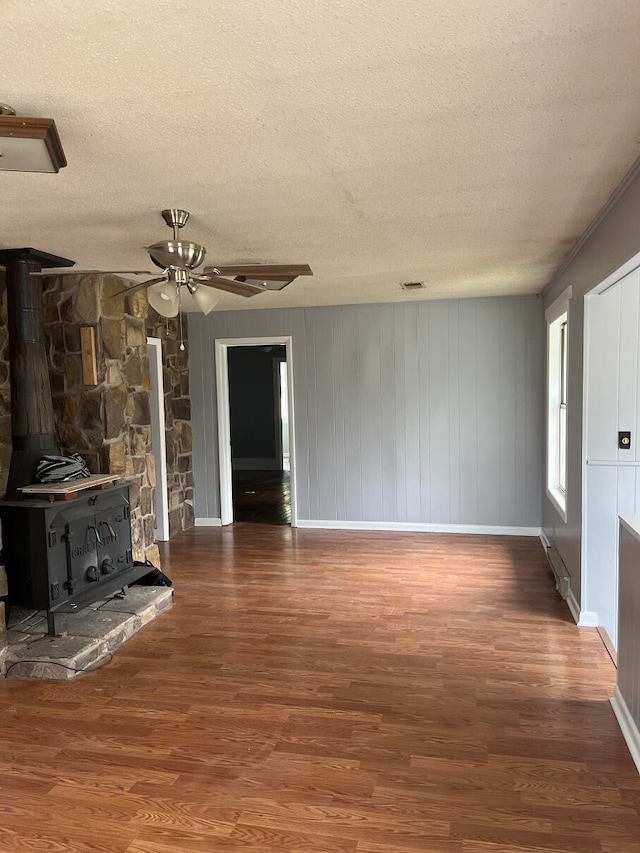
x=273 y=272
x=56 y=273
x=237 y=287
x=141 y=285
x=266 y=283
x=211 y=277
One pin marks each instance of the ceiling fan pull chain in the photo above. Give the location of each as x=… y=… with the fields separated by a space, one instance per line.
x=181 y=334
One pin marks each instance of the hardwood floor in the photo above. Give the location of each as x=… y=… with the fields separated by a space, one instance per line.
x=331 y=692
x=262 y=497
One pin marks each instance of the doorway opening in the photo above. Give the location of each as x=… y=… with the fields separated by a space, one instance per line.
x=255 y=430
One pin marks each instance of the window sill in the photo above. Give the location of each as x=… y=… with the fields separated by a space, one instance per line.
x=558 y=501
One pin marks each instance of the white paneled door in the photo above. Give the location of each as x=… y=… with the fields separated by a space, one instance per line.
x=612 y=405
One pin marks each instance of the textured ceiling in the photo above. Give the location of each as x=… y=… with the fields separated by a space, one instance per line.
x=466 y=143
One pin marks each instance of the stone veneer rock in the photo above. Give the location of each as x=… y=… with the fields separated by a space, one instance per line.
x=109 y=424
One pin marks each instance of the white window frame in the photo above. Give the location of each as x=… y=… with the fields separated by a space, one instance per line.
x=558 y=335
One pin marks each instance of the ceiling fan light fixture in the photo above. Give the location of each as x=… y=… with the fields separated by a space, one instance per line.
x=163 y=298
x=206 y=298
x=29 y=144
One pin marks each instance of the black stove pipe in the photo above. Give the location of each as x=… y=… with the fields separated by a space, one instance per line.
x=32 y=421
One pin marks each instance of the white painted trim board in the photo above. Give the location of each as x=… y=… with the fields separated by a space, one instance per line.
x=627 y=726
x=224 y=430
x=582 y=618
x=158 y=434
x=419 y=527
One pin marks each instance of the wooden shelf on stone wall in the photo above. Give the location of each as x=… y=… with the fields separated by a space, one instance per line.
x=69 y=491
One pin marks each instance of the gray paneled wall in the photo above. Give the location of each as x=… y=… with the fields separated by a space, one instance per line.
x=425 y=412
x=626 y=702
x=608 y=246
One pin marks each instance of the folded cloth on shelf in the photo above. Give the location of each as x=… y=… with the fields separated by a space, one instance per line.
x=59 y=469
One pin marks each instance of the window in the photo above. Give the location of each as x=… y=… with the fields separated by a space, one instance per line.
x=557 y=316
x=562 y=411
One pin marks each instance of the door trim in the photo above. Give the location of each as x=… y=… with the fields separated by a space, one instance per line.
x=224 y=427
x=158 y=437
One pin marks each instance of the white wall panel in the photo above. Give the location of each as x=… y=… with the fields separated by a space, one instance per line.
x=612 y=402
x=628 y=362
x=603 y=359
x=423 y=412
x=626 y=700
x=601 y=588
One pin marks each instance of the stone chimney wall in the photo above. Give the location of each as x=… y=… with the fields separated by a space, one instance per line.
x=109 y=423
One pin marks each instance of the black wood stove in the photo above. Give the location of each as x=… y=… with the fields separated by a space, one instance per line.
x=58 y=556
x=64 y=555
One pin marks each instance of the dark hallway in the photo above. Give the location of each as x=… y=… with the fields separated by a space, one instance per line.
x=262 y=497
x=259 y=435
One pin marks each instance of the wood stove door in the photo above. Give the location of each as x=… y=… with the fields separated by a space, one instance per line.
x=98 y=538
x=81 y=536
x=114 y=540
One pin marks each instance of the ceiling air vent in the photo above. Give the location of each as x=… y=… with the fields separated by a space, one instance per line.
x=411 y=285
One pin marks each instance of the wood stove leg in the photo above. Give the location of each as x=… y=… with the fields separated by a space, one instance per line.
x=51 y=623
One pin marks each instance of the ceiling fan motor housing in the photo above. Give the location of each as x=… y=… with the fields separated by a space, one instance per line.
x=175 y=217
x=177 y=253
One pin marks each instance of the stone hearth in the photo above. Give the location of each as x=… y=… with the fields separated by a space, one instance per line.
x=88 y=637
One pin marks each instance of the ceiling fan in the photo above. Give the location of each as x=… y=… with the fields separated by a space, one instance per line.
x=179 y=258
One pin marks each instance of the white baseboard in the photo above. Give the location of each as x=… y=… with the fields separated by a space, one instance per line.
x=588 y=619
x=208 y=522
x=627 y=725
x=419 y=527
x=582 y=618
x=573 y=607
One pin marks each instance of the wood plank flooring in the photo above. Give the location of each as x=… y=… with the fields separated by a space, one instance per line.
x=331 y=692
x=262 y=497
